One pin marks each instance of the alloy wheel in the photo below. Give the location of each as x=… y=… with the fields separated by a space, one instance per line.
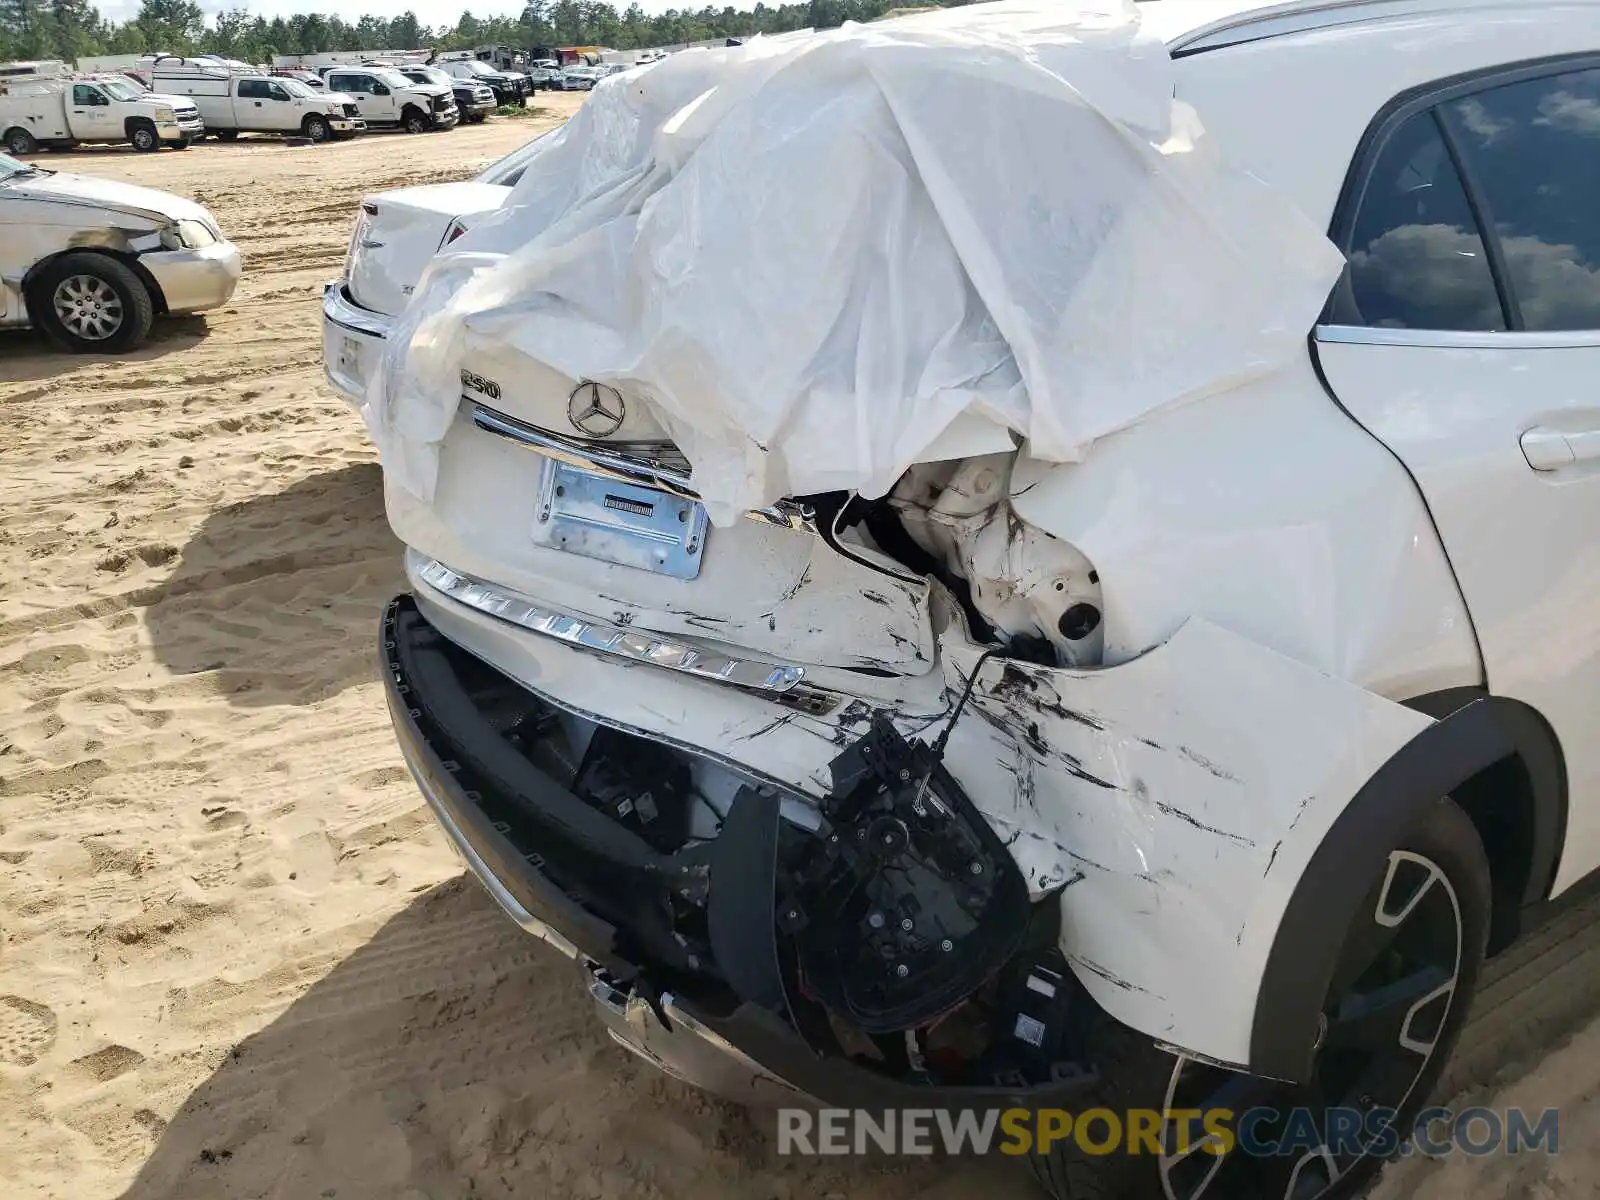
x=89 y=307
x=1388 y=1005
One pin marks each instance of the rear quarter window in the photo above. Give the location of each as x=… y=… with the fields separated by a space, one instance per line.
x=1416 y=257
x=1532 y=150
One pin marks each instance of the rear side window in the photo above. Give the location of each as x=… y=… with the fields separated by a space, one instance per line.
x=253 y=89
x=1417 y=260
x=1532 y=150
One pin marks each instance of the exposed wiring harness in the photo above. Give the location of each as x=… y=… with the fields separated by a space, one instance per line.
x=955 y=715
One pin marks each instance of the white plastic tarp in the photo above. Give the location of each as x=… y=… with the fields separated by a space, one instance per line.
x=810 y=253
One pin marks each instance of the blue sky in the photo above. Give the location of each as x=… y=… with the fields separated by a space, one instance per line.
x=428 y=11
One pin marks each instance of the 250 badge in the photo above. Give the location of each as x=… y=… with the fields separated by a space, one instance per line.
x=477 y=383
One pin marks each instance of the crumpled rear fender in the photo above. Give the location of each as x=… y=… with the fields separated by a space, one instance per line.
x=1189 y=789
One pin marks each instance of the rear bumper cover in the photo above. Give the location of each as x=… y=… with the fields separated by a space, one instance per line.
x=747 y=1055
x=352 y=341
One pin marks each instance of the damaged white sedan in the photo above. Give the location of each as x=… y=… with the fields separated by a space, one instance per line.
x=92 y=262
x=1099 y=625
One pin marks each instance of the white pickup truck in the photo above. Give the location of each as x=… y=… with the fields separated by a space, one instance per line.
x=231 y=104
x=386 y=98
x=62 y=112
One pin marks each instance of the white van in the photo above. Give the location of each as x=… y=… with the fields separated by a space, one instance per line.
x=61 y=112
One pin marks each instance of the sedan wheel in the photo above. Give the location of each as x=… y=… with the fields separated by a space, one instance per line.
x=88 y=307
x=91 y=303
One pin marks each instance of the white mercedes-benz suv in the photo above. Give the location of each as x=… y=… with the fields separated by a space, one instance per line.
x=1202 y=774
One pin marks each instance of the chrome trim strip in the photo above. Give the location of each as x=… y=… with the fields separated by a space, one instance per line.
x=347 y=314
x=491 y=883
x=575 y=453
x=614 y=640
x=1452 y=339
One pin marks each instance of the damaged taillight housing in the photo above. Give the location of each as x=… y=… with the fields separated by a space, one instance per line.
x=909 y=902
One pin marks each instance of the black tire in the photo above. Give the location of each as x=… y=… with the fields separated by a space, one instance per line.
x=318 y=129
x=144 y=137
x=134 y=305
x=180 y=144
x=1133 y=1074
x=478 y=118
x=19 y=141
x=227 y=135
x=414 y=120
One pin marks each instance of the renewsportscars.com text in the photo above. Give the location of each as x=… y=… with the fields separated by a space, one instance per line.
x=1262 y=1132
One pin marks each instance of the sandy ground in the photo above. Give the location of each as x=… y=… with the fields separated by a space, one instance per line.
x=236 y=960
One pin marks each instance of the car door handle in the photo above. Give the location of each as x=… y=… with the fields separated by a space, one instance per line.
x=1551 y=449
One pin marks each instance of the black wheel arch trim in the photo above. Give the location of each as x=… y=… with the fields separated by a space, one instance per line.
x=1472 y=731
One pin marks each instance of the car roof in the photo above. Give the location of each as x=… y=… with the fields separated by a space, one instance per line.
x=1288 y=90
x=1193 y=25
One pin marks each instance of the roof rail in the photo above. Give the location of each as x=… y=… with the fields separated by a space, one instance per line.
x=1301 y=16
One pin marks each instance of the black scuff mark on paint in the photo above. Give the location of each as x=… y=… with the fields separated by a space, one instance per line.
x=904 y=643
x=1074 y=767
x=765 y=729
x=1025 y=490
x=624 y=618
x=1111 y=977
x=772 y=621
x=805 y=578
x=1273 y=857
x=1144 y=741
x=1031 y=736
x=1300 y=812
x=1189 y=819
x=1207 y=765
x=1020 y=688
x=850 y=722
x=876 y=598
x=1055 y=880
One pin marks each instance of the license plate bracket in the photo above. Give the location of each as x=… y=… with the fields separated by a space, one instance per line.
x=349 y=355
x=590 y=514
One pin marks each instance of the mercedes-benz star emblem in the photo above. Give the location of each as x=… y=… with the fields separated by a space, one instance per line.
x=595 y=409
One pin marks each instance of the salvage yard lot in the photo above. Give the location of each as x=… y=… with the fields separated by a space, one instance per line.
x=236 y=959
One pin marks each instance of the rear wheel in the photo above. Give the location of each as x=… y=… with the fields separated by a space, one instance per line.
x=91 y=303
x=180 y=144
x=415 y=121
x=318 y=129
x=19 y=141
x=227 y=135
x=144 y=138
x=1402 y=984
